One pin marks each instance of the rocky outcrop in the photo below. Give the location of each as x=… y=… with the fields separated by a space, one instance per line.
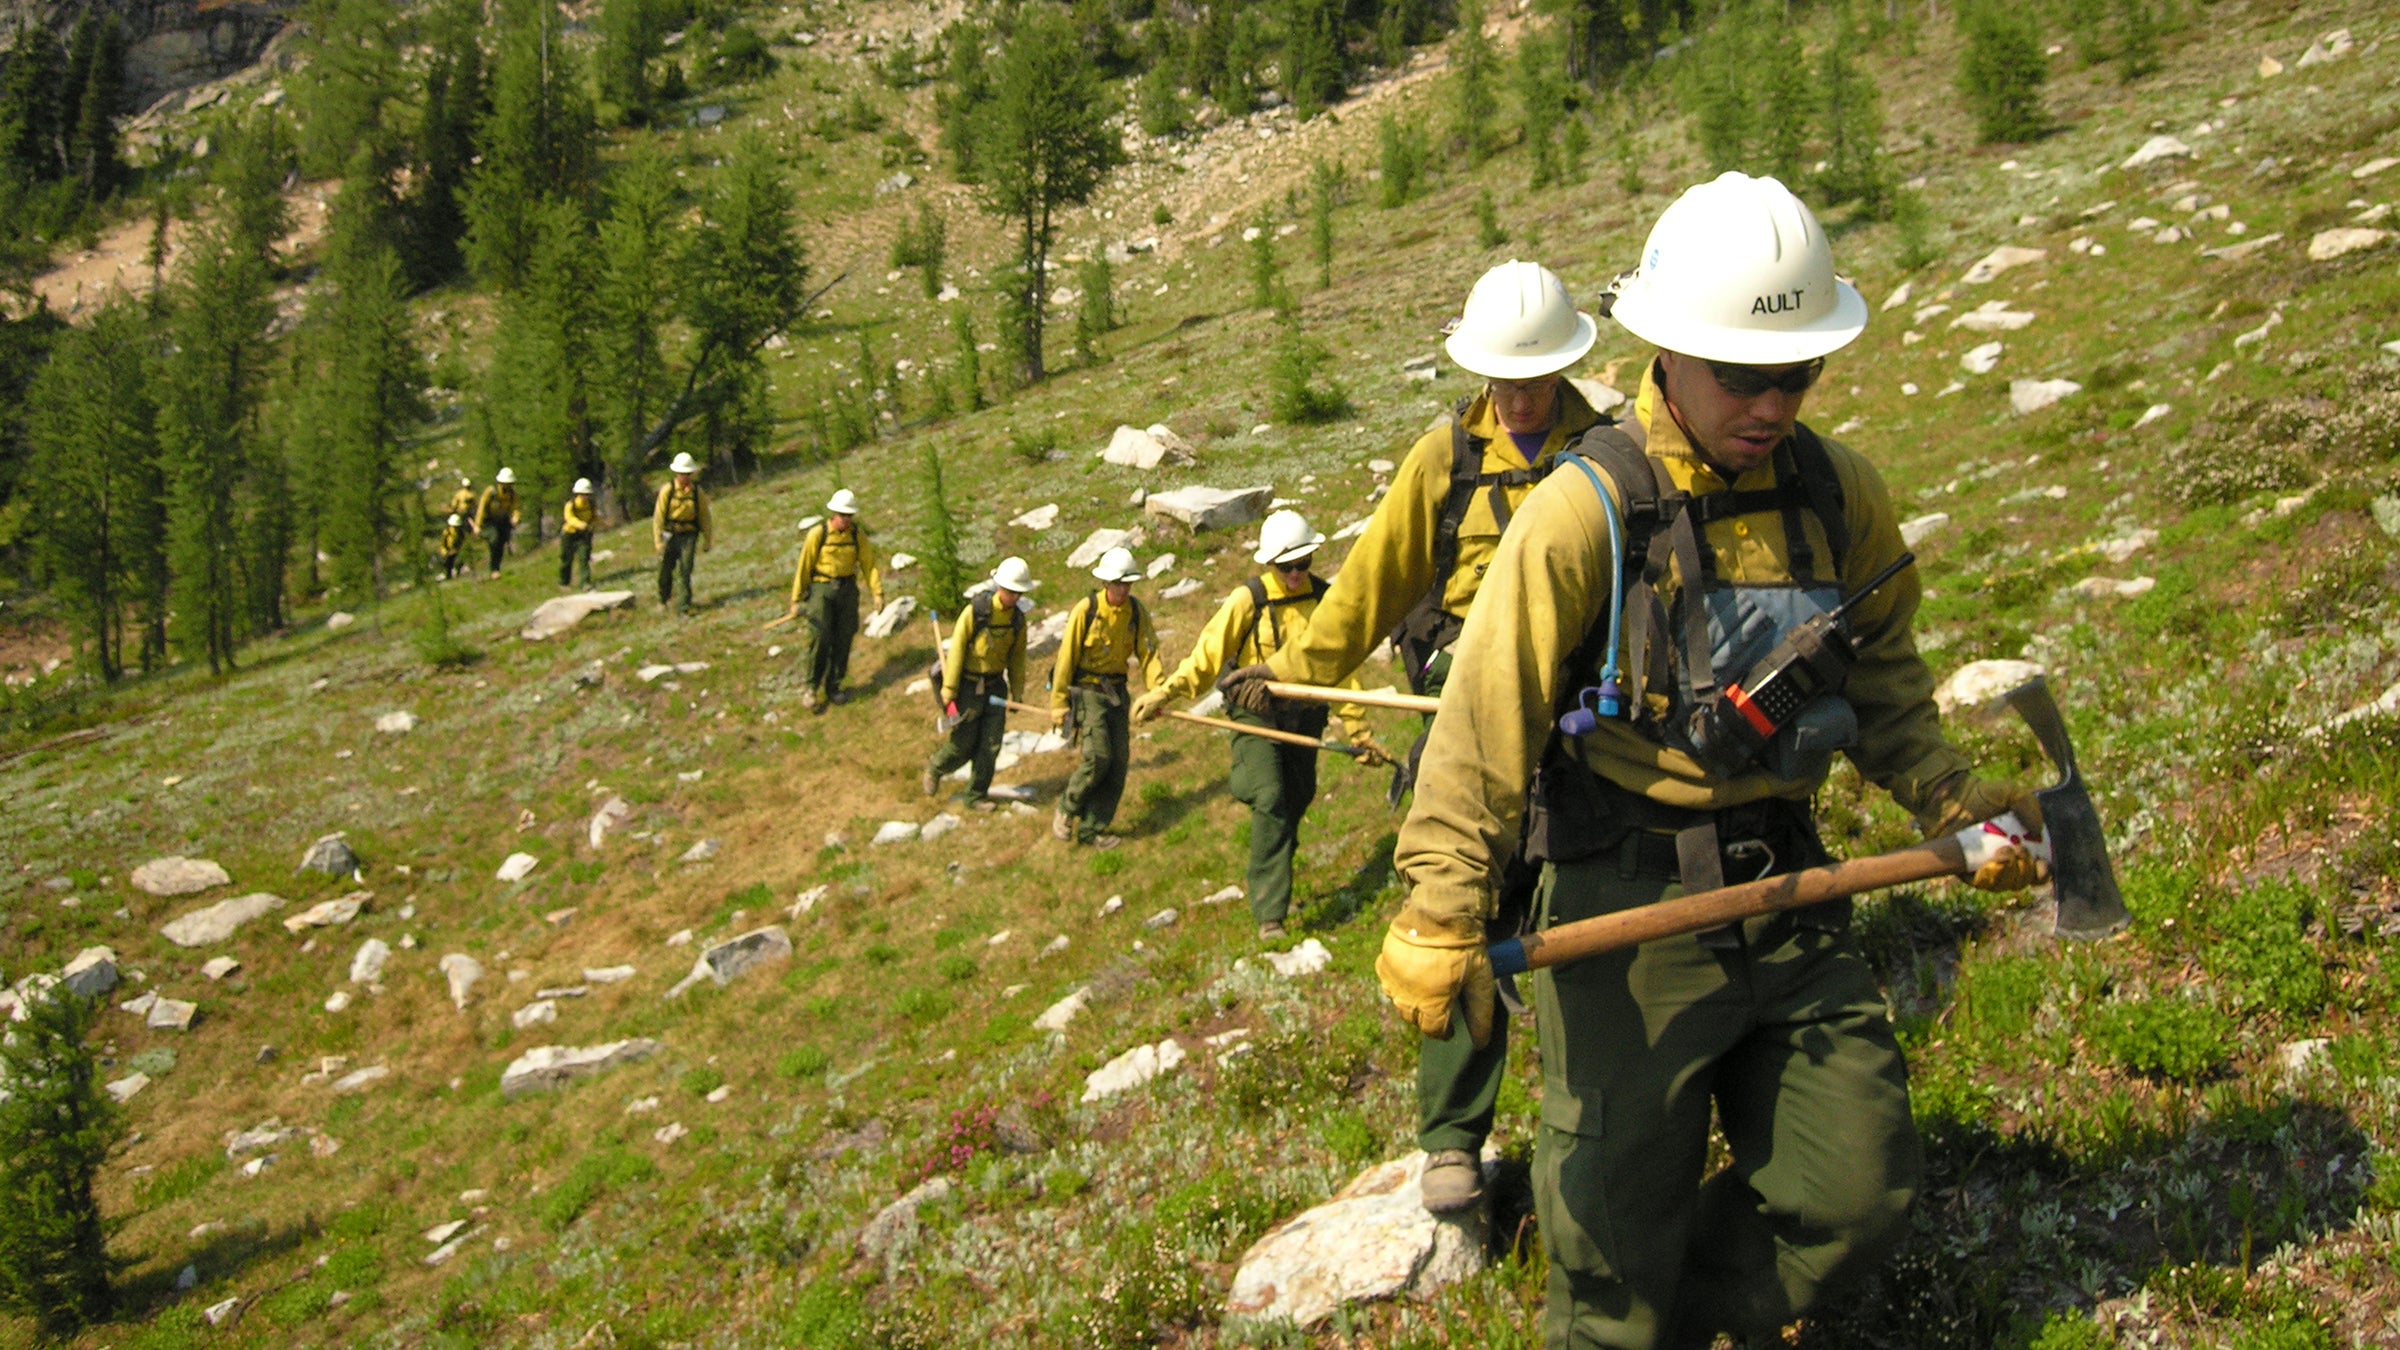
x=171 y=45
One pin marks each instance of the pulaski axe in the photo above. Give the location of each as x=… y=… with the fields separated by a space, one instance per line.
x=2072 y=843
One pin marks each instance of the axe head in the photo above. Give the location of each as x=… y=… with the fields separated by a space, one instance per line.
x=2089 y=904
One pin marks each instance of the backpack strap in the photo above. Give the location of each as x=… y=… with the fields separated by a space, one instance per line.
x=1466 y=468
x=1813 y=466
x=1644 y=505
x=1257 y=586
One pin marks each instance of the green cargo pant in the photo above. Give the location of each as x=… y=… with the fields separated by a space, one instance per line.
x=1098 y=783
x=828 y=626
x=1277 y=782
x=1784 y=1032
x=574 y=549
x=976 y=738
x=675 y=567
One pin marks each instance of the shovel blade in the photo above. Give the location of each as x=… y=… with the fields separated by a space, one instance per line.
x=2089 y=904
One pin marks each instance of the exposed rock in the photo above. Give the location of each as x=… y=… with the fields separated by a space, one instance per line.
x=2153 y=413
x=608 y=974
x=1981 y=360
x=1132 y=1069
x=2259 y=334
x=895 y=613
x=940 y=825
x=516 y=867
x=1993 y=316
x=700 y=852
x=2109 y=588
x=366 y=967
x=2031 y=396
x=2237 y=252
x=552 y=1066
x=1165 y=918
x=266 y=1134
x=219 y=967
x=2124 y=546
x=1052 y=948
x=1373 y=1240
x=2000 y=260
x=1907 y=292
x=443 y=1232
x=612 y=814
x=2269 y=67
x=2298 y=1059
x=124 y=1088
x=2331 y=244
x=1978 y=686
x=735 y=956
x=219 y=1312
x=91 y=974
x=2333 y=46
x=540 y=1012
x=1917 y=531
x=806 y=901
x=893 y=1230
x=330 y=855
x=1222 y=895
x=1159 y=566
x=329 y=913
x=1602 y=397
x=140 y=1005
x=1180 y=589
x=338 y=1000
x=1039 y=518
x=895 y=832
x=1308 y=958
x=396 y=723
x=1046 y=634
x=1136 y=448
x=1207 y=508
x=178 y=876
x=557 y=615
x=2386 y=510
x=1098 y=542
x=171 y=1014
x=462 y=971
x=2156 y=149
x=359 y=1080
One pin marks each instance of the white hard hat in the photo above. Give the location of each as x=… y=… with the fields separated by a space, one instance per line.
x=1519 y=325
x=583 y=487
x=505 y=476
x=454 y=518
x=1286 y=537
x=1013 y=575
x=684 y=463
x=464 y=481
x=1117 y=565
x=1738 y=271
x=842 y=503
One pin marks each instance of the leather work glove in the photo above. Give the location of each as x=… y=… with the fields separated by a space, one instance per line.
x=1983 y=799
x=1371 y=752
x=1150 y=705
x=1246 y=689
x=1427 y=962
x=1058 y=719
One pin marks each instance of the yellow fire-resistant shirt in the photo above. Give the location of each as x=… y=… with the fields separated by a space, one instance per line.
x=1548 y=584
x=979 y=649
x=682 y=509
x=576 y=516
x=828 y=556
x=462 y=503
x=1391 y=566
x=499 y=501
x=1283 y=624
x=1102 y=639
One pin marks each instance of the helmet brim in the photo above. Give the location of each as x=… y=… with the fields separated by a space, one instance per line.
x=1492 y=366
x=1670 y=329
x=1293 y=554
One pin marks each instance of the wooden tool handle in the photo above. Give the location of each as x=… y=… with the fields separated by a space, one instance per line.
x=1732 y=904
x=1366 y=698
x=1265 y=733
x=772 y=624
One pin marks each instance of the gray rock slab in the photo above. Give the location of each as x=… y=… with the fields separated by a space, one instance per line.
x=1207 y=508
x=216 y=923
x=366 y=967
x=329 y=913
x=556 y=616
x=171 y=1014
x=178 y=875
x=462 y=971
x=893 y=1230
x=91 y=974
x=330 y=855
x=1373 y=1240
x=722 y=963
x=548 y=1067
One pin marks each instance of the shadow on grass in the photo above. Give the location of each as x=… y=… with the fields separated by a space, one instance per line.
x=218 y=1258
x=1339 y=906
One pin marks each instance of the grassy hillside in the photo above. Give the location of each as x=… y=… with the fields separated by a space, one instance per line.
x=2123 y=1133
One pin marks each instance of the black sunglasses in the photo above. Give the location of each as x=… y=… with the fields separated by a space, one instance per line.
x=1752 y=381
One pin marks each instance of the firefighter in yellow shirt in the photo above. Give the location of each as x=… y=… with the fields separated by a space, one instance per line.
x=1276 y=781
x=1107 y=631
x=1414 y=574
x=983 y=667
x=575 y=535
x=834 y=558
x=497 y=515
x=680 y=529
x=454 y=539
x=462 y=501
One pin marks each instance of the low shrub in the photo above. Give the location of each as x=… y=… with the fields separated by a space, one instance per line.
x=2161 y=1037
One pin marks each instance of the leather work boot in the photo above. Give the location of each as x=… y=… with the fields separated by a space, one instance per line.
x=1105 y=842
x=1061 y=828
x=1453 y=1182
x=931 y=784
x=1272 y=931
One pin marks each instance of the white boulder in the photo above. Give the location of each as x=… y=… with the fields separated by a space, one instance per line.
x=721 y=963
x=329 y=913
x=1207 y=508
x=171 y=1014
x=612 y=813
x=178 y=876
x=1979 y=686
x=554 y=1066
x=1373 y=1240
x=2000 y=260
x=895 y=832
x=1039 y=518
x=2156 y=149
x=1602 y=397
x=557 y=615
x=1140 y=448
x=396 y=723
x=893 y=1230
x=2328 y=245
x=2031 y=396
x=1098 y=542
x=1059 y=1015
x=1917 y=531
x=216 y=923
x=91 y=974
x=366 y=967
x=894 y=615
x=516 y=867
x=1132 y=1069
x=1308 y=958
x=462 y=971
x=1981 y=360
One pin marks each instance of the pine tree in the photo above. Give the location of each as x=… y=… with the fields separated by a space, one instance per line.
x=1717 y=90
x=98 y=70
x=101 y=513
x=638 y=242
x=1403 y=149
x=1852 y=117
x=537 y=411
x=2001 y=71
x=454 y=103
x=745 y=279
x=1542 y=103
x=1293 y=391
x=1047 y=144
x=1315 y=61
x=970 y=359
x=1488 y=233
x=1267 y=290
x=944 y=587
x=631 y=37
x=924 y=243
x=347 y=93
x=1096 y=311
x=2137 y=40
x=1400 y=25
x=367 y=384
x=1476 y=65
x=1786 y=100
x=1328 y=183
x=57 y=1129
x=537 y=142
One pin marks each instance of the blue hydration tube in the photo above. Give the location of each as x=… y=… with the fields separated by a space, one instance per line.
x=1606 y=700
